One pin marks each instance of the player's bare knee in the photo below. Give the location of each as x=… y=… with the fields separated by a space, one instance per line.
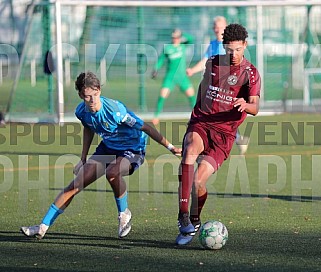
x=112 y=175
x=191 y=153
x=200 y=185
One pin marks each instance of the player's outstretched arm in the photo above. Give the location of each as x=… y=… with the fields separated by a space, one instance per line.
x=159 y=138
x=187 y=38
x=198 y=67
x=158 y=65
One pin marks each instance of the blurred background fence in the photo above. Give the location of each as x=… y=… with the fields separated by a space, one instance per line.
x=121 y=40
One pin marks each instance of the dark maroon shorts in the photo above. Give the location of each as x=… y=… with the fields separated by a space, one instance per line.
x=217 y=145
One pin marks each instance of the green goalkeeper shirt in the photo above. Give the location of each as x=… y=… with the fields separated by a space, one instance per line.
x=175 y=56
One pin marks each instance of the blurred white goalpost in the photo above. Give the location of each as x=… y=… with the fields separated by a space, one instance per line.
x=306 y=83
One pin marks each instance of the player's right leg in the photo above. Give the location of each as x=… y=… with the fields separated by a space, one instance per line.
x=199 y=196
x=86 y=175
x=186 y=238
x=37 y=231
x=193 y=146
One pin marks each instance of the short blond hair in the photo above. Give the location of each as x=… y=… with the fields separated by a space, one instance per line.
x=219 y=19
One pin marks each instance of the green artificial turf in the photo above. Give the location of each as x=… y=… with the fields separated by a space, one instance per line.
x=269 y=201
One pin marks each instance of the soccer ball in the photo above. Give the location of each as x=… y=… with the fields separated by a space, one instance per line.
x=213 y=235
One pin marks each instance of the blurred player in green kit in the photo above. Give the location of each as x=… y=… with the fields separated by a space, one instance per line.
x=175 y=55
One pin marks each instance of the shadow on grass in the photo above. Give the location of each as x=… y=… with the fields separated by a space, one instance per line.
x=279 y=197
x=246 y=250
x=72 y=238
x=222 y=195
x=266 y=242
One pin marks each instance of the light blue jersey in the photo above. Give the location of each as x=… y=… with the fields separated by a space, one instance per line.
x=215 y=48
x=119 y=128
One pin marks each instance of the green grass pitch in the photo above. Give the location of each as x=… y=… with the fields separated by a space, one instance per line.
x=269 y=200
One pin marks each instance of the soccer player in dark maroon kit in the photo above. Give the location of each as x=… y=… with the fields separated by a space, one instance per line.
x=229 y=90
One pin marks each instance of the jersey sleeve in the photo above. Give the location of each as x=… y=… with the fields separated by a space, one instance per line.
x=208 y=69
x=124 y=116
x=214 y=48
x=131 y=120
x=254 y=82
x=208 y=52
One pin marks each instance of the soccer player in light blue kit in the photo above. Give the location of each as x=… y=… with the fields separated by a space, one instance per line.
x=120 y=153
x=216 y=48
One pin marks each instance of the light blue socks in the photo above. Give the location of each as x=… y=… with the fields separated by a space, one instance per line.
x=51 y=215
x=121 y=203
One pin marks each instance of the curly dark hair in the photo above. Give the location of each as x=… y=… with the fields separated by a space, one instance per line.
x=85 y=80
x=234 y=32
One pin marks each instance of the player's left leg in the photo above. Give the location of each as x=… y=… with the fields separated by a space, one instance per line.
x=242 y=142
x=187 y=87
x=125 y=164
x=190 y=93
x=115 y=173
x=199 y=194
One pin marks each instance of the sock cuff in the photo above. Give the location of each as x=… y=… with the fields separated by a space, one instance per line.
x=203 y=197
x=122 y=203
x=187 y=168
x=119 y=198
x=51 y=215
x=53 y=206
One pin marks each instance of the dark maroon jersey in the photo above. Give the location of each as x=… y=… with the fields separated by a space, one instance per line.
x=221 y=84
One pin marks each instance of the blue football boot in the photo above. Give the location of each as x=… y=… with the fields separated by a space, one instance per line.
x=186 y=238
